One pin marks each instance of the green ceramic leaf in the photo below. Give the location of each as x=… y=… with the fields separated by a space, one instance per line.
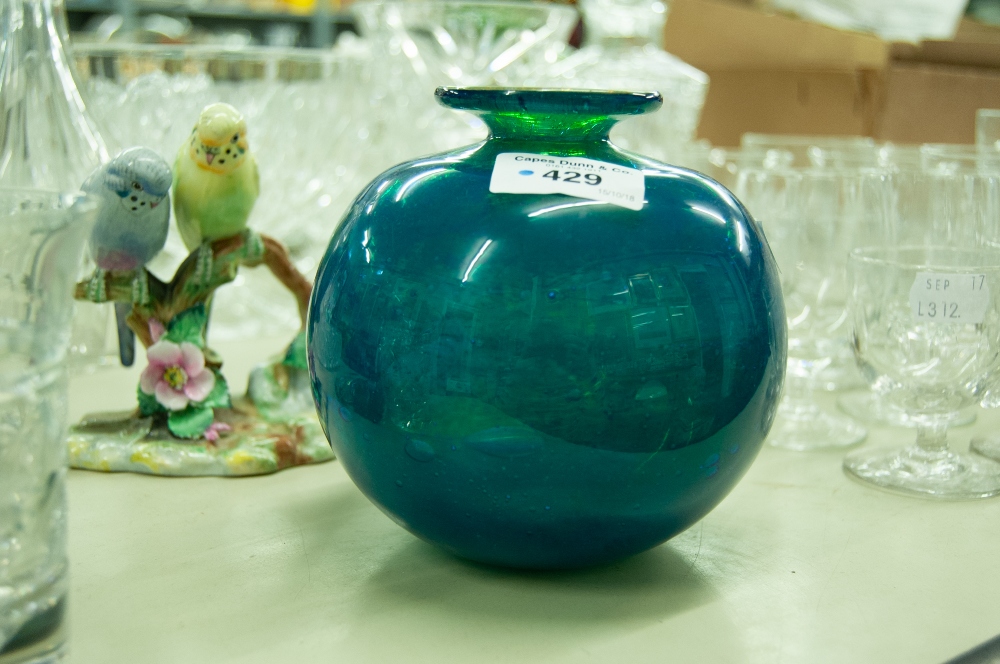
x=253 y=247
x=188 y=326
x=148 y=405
x=295 y=356
x=190 y=422
x=219 y=396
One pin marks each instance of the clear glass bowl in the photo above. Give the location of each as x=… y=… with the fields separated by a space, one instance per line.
x=310 y=127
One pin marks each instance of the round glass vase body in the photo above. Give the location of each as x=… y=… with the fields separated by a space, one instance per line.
x=541 y=380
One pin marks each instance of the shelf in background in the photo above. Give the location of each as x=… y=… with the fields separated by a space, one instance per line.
x=317 y=29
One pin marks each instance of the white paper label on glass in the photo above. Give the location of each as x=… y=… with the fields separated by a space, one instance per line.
x=950 y=298
x=525 y=173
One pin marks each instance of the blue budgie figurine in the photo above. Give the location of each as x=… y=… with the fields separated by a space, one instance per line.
x=131 y=228
x=216 y=181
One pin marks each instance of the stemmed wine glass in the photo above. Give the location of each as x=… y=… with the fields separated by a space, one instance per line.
x=951 y=198
x=926 y=334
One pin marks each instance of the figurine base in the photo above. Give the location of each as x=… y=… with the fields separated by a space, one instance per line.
x=128 y=442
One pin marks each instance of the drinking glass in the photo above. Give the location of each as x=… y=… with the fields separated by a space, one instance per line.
x=810 y=217
x=926 y=330
x=41 y=238
x=988 y=129
x=724 y=164
x=953 y=199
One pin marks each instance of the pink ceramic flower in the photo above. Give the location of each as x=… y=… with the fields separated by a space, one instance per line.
x=176 y=374
x=214 y=429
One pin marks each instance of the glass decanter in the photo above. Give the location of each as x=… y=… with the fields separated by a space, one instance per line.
x=623 y=50
x=47 y=139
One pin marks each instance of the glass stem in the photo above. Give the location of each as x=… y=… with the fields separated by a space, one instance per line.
x=932 y=438
x=797 y=400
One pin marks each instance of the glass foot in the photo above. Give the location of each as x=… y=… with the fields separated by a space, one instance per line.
x=868 y=407
x=814 y=430
x=988 y=447
x=991 y=399
x=914 y=471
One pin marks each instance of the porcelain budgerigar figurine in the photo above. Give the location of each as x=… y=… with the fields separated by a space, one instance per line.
x=185 y=420
x=215 y=178
x=132 y=224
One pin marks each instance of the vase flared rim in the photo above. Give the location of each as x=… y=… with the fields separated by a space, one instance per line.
x=549 y=101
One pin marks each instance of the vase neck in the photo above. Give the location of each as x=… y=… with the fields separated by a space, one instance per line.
x=569 y=116
x=549 y=128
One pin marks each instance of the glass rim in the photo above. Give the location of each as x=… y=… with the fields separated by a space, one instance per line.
x=78 y=204
x=207 y=52
x=931 y=254
x=956 y=149
x=813 y=171
x=550 y=7
x=35 y=192
x=777 y=141
x=40 y=191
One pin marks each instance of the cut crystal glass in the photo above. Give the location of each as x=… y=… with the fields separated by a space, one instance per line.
x=623 y=50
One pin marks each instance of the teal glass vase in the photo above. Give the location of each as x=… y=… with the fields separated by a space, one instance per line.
x=546 y=380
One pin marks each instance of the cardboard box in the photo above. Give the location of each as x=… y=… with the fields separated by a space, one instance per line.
x=930 y=103
x=772 y=73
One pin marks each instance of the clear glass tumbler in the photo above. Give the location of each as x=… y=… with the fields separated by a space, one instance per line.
x=988 y=129
x=41 y=238
x=810 y=217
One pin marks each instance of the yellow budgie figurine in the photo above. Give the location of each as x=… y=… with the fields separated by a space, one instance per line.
x=215 y=178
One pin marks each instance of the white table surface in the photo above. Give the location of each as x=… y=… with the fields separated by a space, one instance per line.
x=798 y=564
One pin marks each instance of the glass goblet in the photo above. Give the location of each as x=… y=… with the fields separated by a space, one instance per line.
x=926 y=336
x=950 y=197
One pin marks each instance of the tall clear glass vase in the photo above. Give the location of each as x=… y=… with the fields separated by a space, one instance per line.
x=47 y=139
